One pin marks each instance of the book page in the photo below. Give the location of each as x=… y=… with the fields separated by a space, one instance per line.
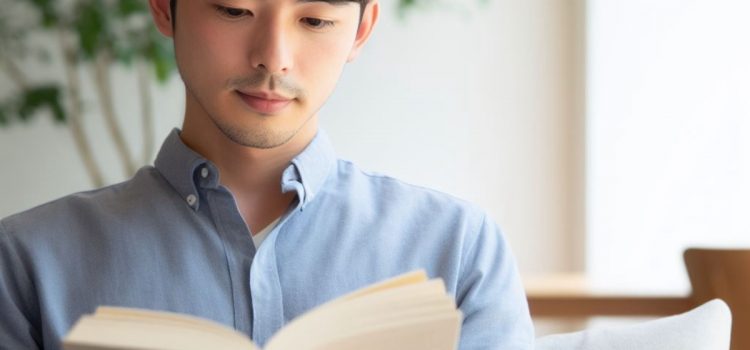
x=383 y=310
x=115 y=328
x=413 y=277
x=164 y=317
x=404 y=312
x=441 y=333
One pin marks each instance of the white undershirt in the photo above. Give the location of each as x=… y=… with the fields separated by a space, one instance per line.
x=260 y=236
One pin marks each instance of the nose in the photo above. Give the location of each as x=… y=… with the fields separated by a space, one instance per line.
x=271 y=50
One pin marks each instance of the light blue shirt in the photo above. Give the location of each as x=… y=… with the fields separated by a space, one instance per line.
x=172 y=238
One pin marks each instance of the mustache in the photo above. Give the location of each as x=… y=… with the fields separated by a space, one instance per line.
x=260 y=80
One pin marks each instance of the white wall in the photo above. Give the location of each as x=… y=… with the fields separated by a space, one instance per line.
x=669 y=137
x=477 y=102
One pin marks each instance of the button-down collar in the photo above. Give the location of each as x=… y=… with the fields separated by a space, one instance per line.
x=187 y=171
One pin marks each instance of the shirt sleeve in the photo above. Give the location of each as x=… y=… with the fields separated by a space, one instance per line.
x=16 y=293
x=491 y=296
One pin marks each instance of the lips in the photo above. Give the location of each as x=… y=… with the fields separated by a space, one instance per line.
x=264 y=103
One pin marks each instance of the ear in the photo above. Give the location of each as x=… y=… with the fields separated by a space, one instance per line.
x=369 y=18
x=162 y=16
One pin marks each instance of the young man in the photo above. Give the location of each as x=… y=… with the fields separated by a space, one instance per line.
x=247 y=218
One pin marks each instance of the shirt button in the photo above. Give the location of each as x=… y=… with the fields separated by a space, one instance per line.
x=204 y=173
x=191 y=199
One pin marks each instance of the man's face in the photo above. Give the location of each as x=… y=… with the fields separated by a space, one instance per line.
x=260 y=69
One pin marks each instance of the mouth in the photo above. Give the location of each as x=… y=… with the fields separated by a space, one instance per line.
x=264 y=103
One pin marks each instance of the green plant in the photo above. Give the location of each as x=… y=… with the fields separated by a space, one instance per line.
x=95 y=35
x=92 y=34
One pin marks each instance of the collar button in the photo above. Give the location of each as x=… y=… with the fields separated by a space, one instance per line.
x=191 y=200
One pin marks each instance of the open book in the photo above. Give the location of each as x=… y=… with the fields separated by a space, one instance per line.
x=405 y=312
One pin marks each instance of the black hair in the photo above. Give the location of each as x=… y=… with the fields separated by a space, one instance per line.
x=172 y=12
x=362 y=5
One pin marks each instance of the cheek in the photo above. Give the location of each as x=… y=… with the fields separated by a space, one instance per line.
x=207 y=54
x=322 y=62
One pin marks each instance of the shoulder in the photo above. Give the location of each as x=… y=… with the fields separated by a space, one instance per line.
x=350 y=174
x=388 y=194
x=64 y=214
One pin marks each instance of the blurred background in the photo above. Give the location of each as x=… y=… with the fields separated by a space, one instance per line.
x=604 y=136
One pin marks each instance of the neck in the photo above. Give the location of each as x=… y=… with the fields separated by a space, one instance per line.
x=253 y=175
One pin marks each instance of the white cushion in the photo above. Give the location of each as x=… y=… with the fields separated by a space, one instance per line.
x=707 y=327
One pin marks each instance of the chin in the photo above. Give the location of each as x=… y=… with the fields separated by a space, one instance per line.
x=256 y=136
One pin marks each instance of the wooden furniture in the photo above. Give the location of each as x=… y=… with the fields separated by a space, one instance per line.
x=570 y=296
x=725 y=274
x=714 y=273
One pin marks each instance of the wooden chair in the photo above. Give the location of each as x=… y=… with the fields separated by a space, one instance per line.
x=725 y=274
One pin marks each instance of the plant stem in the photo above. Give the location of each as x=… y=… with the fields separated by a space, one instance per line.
x=104 y=91
x=14 y=72
x=75 y=119
x=146 y=112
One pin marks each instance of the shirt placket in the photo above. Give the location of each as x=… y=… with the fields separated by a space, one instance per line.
x=268 y=302
x=239 y=250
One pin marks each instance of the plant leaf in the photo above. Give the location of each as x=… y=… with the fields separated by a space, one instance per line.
x=130 y=7
x=36 y=98
x=47 y=10
x=124 y=54
x=90 y=27
x=4 y=121
x=160 y=53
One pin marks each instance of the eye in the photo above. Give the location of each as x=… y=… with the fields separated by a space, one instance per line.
x=232 y=13
x=316 y=23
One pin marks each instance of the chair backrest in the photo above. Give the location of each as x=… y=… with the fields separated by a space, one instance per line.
x=725 y=274
x=706 y=327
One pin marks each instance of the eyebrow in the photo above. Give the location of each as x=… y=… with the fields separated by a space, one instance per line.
x=332 y=2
